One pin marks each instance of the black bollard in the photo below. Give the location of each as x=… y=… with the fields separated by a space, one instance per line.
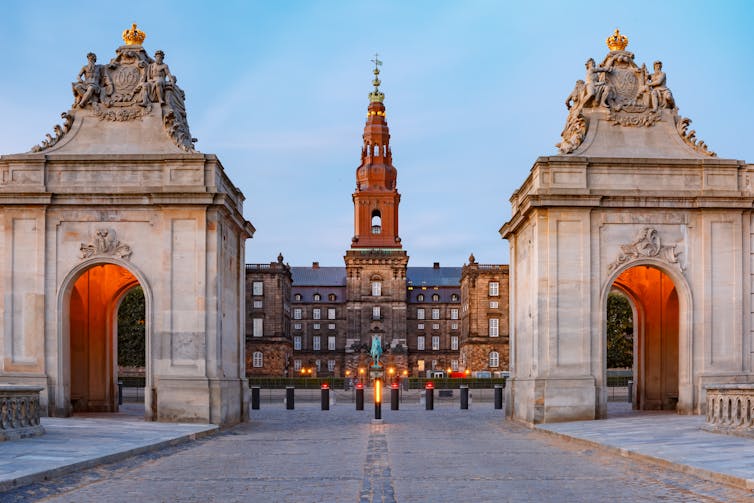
x=255 y=397
x=429 y=400
x=289 y=398
x=359 y=396
x=464 y=397
x=394 y=396
x=120 y=392
x=325 y=397
x=498 y=396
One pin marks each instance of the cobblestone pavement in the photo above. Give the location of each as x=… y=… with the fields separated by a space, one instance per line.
x=308 y=455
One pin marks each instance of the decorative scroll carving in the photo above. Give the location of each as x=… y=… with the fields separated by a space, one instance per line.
x=630 y=94
x=19 y=412
x=60 y=132
x=682 y=125
x=105 y=243
x=646 y=244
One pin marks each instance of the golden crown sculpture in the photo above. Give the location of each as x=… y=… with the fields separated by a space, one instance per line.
x=616 y=41
x=132 y=36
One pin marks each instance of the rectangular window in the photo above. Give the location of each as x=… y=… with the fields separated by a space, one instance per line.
x=494 y=288
x=315 y=343
x=376 y=313
x=257 y=359
x=257 y=327
x=454 y=342
x=297 y=313
x=494 y=327
x=435 y=342
x=494 y=304
x=376 y=288
x=420 y=343
x=420 y=326
x=257 y=288
x=331 y=313
x=331 y=326
x=435 y=326
x=331 y=365
x=331 y=343
x=454 y=326
x=315 y=326
x=435 y=313
x=297 y=326
x=296 y=365
x=454 y=365
x=494 y=359
x=297 y=342
x=420 y=365
x=316 y=313
x=454 y=313
x=420 y=313
x=257 y=304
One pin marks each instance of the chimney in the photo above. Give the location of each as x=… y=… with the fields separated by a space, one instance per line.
x=436 y=265
x=315 y=265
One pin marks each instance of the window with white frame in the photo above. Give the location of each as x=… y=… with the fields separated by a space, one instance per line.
x=435 y=342
x=257 y=359
x=420 y=297
x=454 y=342
x=331 y=343
x=331 y=365
x=376 y=288
x=454 y=326
x=494 y=288
x=257 y=288
x=494 y=304
x=436 y=313
x=420 y=326
x=420 y=343
x=454 y=365
x=494 y=359
x=315 y=326
x=376 y=313
x=297 y=296
x=435 y=326
x=454 y=313
x=317 y=297
x=494 y=327
x=331 y=326
x=297 y=342
x=435 y=298
x=297 y=313
x=330 y=313
x=296 y=365
x=297 y=326
x=316 y=343
x=257 y=327
x=316 y=313
x=420 y=313
x=257 y=304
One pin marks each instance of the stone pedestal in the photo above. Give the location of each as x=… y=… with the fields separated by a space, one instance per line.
x=730 y=409
x=19 y=412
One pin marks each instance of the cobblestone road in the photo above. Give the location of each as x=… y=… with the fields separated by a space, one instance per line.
x=308 y=455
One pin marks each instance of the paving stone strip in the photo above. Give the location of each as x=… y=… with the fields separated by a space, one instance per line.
x=377 y=485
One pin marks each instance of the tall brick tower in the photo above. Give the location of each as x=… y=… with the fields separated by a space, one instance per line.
x=376 y=263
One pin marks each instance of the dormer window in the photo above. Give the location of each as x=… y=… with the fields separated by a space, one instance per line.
x=420 y=297
x=317 y=297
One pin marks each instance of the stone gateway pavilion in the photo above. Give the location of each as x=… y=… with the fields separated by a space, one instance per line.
x=634 y=203
x=118 y=197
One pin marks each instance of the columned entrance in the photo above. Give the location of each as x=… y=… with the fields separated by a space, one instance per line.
x=93 y=303
x=654 y=300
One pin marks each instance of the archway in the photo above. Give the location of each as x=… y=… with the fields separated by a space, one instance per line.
x=654 y=300
x=92 y=306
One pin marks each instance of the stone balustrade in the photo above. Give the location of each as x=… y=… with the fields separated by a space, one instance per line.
x=19 y=412
x=730 y=409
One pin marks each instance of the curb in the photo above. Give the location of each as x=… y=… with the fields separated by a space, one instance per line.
x=732 y=480
x=52 y=473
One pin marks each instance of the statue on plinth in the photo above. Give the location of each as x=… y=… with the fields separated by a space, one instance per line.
x=376 y=351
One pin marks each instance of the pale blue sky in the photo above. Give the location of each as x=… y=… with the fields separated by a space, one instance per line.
x=474 y=94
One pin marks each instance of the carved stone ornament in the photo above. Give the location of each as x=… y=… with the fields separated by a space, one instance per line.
x=646 y=245
x=105 y=243
x=60 y=132
x=631 y=95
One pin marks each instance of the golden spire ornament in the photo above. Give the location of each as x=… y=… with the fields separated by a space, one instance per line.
x=376 y=95
x=616 y=41
x=132 y=36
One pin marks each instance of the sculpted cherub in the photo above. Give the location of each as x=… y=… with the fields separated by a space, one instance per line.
x=595 y=88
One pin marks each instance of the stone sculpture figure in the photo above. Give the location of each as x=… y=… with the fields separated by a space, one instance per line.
x=87 y=89
x=574 y=100
x=376 y=351
x=659 y=95
x=157 y=76
x=595 y=88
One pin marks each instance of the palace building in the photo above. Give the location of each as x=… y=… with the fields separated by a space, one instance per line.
x=320 y=320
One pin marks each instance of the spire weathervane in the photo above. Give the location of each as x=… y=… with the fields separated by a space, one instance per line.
x=376 y=95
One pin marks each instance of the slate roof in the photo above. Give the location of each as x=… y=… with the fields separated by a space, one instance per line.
x=323 y=276
x=431 y=276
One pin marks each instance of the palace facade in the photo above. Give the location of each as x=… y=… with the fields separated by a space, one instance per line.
x=320 y=321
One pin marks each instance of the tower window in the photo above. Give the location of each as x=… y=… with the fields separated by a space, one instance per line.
x=376 y=222
x=376 y=288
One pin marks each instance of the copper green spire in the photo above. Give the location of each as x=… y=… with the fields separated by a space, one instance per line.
x=376 y=94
